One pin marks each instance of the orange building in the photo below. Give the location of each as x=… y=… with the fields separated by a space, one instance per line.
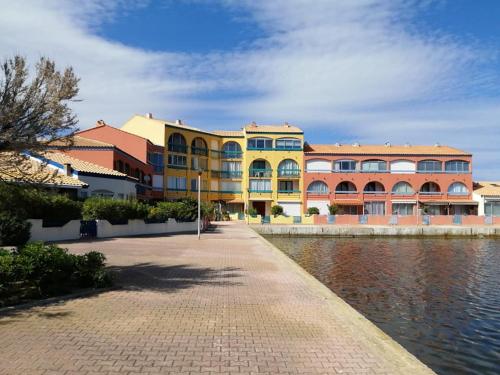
x=388 y=179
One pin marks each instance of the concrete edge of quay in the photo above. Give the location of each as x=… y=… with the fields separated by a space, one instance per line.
x=357 y=323
x=377 y=230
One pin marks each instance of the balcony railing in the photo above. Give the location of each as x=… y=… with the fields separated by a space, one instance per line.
x=230 y=174
x=215 y=154
x=199 y=151
x=288 y=191
x=177 y=166
x=288 y=172
x=430 y=193
x=259 y=191
x=230 y=191
x=231 y=154
x=261 y=172
x=177 y=148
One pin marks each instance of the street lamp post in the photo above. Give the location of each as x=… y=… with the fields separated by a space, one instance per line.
x=199 y=203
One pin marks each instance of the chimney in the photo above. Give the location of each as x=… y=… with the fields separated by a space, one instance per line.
x=100 y=123
x=149 y=115
x=67 y=169
x=178 y=122
x=407 y=144
x=286 y=125
x=253 y=124
x=437 y=144
x=356 y=144
x=387 y=144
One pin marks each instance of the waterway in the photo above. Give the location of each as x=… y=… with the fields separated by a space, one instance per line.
x=439 y=298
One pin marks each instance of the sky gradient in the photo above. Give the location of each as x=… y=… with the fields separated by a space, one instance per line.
x=371 y=71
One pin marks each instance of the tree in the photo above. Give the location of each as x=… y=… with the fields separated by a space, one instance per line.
x=36 y=112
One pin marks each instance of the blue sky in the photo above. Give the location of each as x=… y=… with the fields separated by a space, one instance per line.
x=417 y=71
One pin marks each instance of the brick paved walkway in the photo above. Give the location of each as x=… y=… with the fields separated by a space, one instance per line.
x=229 y=303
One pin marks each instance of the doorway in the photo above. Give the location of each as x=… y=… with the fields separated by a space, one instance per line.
x=260 y=207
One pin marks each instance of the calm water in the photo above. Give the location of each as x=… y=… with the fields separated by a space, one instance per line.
x=439 y=298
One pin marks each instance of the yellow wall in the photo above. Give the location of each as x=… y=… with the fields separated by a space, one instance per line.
x=152 y=129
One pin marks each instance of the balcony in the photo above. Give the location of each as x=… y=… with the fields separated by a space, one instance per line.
x=289 y=173
x=231 y=155
x=288 y=194
x=199 y=151
x=182 y=149
x=215 y=154
x=260 y=173
x=177 y=166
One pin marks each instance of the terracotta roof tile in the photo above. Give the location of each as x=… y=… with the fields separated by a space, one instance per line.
x=487 y=188
x=228 y=133
x=81 y=165
x=79 y=141
x=384 y=150
x=32 y=171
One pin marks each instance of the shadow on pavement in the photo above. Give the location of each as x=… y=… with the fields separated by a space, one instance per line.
x=156 y=277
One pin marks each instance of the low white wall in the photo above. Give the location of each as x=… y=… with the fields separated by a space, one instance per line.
x=69 y=231
x=139 y=227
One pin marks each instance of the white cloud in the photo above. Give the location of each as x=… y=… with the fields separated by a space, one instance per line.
x=360 y=69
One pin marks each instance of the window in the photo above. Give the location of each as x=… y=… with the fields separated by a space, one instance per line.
x=198 y=163
x=231 y=150
x=403 y=209
x=402 y=166
x=120 y=165
x=156 y=159
x=194 y=185
x=260 y=168
x=260 y=185
x=429 y=166
x=288 y=167
x=177 y=143
x=345 y=187
x=430 y=188
x=318 y=166
x=127 y=169
x=374 y=187
x=317 y=187
x=457 y=166
x=375 y=208
x=289 y=144
x=285 y=186
x=345 y=166
x=402 y=188
x=103 y=193
x=492 y=208
x=177 y=160
x=374 y=166
x=231 y=169
x=230 y=186
x=199 y=147
x=457 y=188
x=260 y=143
x=176 y=183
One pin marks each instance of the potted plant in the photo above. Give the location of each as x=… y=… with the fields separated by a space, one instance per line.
x=277 y=210
x=313 y=211
x=332 y=210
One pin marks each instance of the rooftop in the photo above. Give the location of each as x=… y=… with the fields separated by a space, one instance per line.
x=228 y=133
x=79 y=141
x=26 y=170
x=285 y=128
x=355 y=149
x=486 y=189
x=81 y=165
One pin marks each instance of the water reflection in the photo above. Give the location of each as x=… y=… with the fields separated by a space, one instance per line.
x=439 y=298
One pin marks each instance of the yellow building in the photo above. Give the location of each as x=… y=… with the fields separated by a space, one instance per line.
x=257 y=166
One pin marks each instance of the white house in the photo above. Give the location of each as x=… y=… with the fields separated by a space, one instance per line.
x=487 y=194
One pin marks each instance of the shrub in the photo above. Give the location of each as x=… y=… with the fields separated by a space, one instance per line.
x=333 y=209
x=14 y=231
x=313 y=211
x=277 y=210
x=90 y=271
x=252 y=212
x=164 y=211
x=115 y=211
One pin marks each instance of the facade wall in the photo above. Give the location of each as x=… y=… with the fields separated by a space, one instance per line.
x=120 y=187
x=400 y=172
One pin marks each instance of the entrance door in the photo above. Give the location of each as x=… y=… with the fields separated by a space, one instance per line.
x=260 y=207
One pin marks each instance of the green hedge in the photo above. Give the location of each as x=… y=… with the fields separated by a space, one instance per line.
x=185 y=209
x=40 y=270
x=115 y=211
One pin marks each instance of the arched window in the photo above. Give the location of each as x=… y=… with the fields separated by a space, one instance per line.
x=260 y=168
x=317 y=187
x=374 y=187
x=402 y=188
x=430 y=188
x=231 y=150
x=429 y=166
x=456 y=166
x=177 y=143
x=288 y=168
x=346 y=187
x=458 y=188
x=260 y=144
x=199 y=147
x=288 y=144
x=374 y=166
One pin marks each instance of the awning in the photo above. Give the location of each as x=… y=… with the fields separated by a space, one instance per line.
x=450 y=203
x=235 y=201
x=348 y=202
x=464 y=203
x=435 y=203
x=409 y=201
x=260 y=199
